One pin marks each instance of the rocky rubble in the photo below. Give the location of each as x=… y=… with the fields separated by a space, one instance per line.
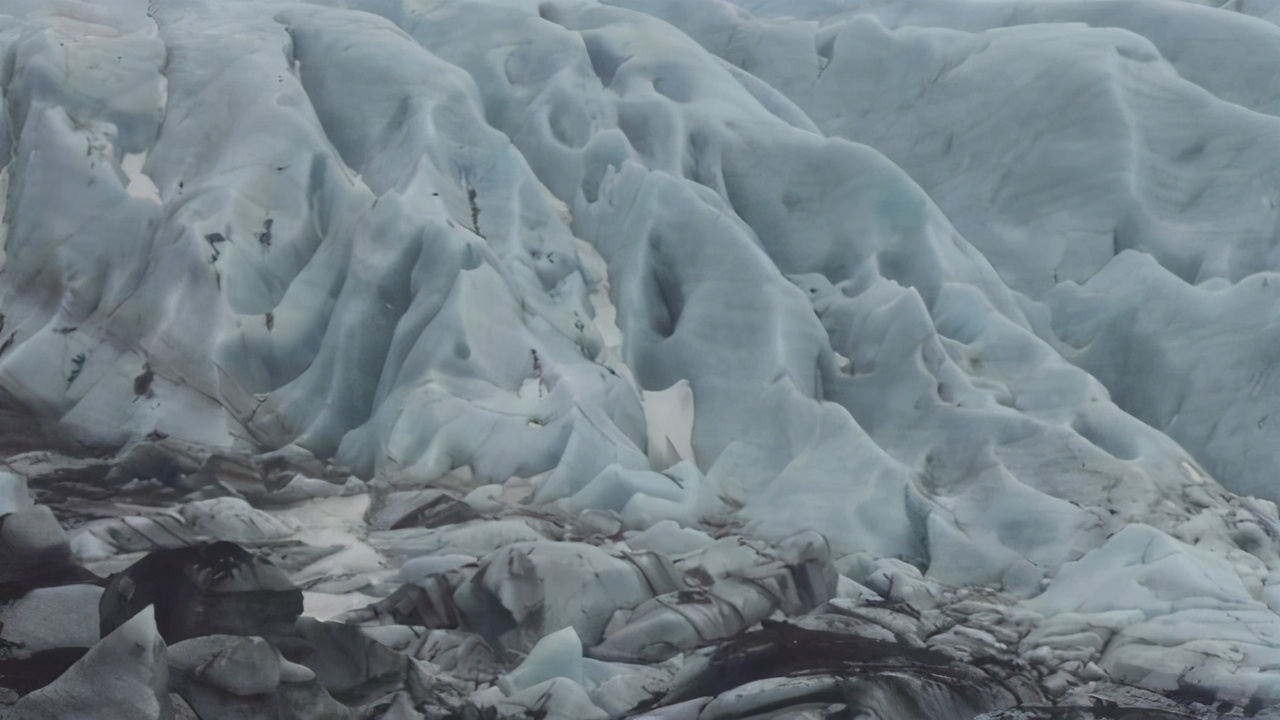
x=474 y=606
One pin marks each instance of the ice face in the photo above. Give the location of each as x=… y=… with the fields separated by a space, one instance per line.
x=979 y=288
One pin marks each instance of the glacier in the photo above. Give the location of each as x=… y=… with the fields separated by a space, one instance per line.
x=627 y=335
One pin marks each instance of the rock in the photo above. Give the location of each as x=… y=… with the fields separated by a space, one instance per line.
x=218 y=588
x=296 y=700
x=123 y=677
x=238 y=665
x=352 y=666
x=226 y=676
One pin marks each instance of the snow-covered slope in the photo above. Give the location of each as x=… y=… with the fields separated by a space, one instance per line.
x=987 y=288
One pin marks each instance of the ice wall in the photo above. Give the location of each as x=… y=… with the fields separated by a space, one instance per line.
x=979 y=287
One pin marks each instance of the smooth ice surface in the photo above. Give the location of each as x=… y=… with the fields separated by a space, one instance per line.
x=983 y=293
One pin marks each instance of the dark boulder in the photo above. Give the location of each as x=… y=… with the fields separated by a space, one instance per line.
x=207 y=589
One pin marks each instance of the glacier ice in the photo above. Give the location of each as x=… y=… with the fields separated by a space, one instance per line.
x=785 y=304
x=124 y=676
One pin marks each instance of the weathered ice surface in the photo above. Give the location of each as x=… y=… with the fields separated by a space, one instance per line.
x=584 y=358
x=460 y=618
x=124 y=676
